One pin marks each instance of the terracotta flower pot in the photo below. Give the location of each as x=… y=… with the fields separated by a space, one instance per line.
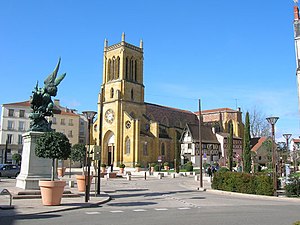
x=137 y=169
x=52 y=191
x=167 y=167
x=81 y=182
x=61 y=171
x=121 y=170
x=103 y=169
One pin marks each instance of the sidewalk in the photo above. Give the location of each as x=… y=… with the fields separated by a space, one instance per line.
x=31 y=202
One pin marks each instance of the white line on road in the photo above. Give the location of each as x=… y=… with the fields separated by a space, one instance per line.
x=139 y=210
x=92 y=213
x=185 y=208
x=161 y=209
x=117 y=211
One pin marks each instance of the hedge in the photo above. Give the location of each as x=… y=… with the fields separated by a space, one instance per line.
x=260 y=184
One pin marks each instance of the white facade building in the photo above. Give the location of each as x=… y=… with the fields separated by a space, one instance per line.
x=15 y=122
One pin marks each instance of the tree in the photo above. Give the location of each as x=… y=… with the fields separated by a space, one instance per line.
x=230 y=147
x=259 y=126
x=246 y=145
x=53 y=145
x=17 y=157
x=78 y=152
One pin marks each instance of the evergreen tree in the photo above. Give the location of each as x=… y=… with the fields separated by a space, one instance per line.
x=230 y=147
x=246 y=145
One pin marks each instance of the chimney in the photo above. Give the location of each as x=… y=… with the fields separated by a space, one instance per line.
x=296 y=13
x=56 y=102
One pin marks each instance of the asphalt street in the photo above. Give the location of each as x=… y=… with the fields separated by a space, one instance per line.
x=168 y=201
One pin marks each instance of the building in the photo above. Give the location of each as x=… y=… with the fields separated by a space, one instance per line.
x=190 y=150
x=261 y=152
x=15 y=122
x=133 y=130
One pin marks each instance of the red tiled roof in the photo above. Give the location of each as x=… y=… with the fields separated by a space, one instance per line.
x=258 y=144
x=216 y=110
x=26 y=103
x=295 y=140
x=57 y=109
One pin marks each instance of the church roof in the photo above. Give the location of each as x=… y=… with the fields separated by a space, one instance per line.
x=170 y=117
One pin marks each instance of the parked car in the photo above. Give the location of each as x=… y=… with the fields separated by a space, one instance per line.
x=9 y=170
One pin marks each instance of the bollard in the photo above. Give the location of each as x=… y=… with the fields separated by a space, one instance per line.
x=71 y=183
x=145 y=175
x=173 y=175
x=159 y=176
x=128 y=177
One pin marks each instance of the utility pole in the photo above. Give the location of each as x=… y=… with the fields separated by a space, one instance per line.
x=200 y=147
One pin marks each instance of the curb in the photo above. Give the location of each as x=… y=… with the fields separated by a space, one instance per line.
x=254 y=196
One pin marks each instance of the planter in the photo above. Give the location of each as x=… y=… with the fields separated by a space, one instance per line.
x=121 y=170
x=81 y=182
x=52 y=191
x=137 y=169
x=61 y=171
x=167 y=167
x=103 y=169
x=152 y=169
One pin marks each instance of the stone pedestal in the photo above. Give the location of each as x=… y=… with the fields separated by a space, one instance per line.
x=33 y=168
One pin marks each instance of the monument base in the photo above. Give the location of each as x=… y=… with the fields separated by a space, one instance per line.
x=33 y=168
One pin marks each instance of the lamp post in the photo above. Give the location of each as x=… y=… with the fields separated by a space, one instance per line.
x=89 y=115
x=272 y=121
x=287 y=137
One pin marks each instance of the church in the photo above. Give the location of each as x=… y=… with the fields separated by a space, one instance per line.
x=134 y=131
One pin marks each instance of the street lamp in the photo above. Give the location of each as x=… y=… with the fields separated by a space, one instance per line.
x=272 y=121
x=287 y=137
x=89 y=115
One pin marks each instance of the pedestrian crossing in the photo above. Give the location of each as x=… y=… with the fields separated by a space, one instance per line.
x=138 y=210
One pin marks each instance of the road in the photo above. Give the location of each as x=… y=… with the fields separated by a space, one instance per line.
x=170 y=201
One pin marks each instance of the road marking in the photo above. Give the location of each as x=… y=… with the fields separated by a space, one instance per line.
x=161 y=209
x=139 y=210
x=117 y=211
x=184 y=208
x=92 y=213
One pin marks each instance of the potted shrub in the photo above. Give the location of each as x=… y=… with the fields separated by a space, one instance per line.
x=78 y=152
x=166 y=166
x=17 y=157
x=122 y=166
x=52 y=145
x=103 y=167
x=137 y=167
x=152 y=165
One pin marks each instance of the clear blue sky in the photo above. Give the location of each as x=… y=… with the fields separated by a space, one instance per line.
x=228 y=53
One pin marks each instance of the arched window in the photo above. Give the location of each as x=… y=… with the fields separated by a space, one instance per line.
x=109 y=70
x=163 y=149
x=132 y=96
x=111 y=93
x=117 y=74
x=131 y=69
x=113 y=68
x=126 y=69
x=127 y=146
x=135 y=70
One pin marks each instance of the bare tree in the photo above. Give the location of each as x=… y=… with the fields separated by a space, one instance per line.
x=259 y=126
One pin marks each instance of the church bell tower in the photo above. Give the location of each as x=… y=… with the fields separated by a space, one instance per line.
x=122 y=101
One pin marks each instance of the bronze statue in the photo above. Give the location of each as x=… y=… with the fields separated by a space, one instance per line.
x=41 y=103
